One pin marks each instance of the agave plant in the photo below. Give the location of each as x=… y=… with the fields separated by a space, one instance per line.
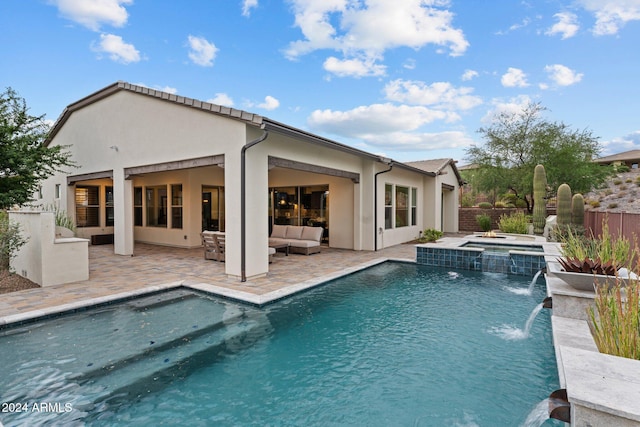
x=588 y=265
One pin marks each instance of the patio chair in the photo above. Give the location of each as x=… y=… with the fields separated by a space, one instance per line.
x=214 y=245
x=220 y=243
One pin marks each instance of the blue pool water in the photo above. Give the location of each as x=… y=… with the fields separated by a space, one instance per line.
x=394 y=345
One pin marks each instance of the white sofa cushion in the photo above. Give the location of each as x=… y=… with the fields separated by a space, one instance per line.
x=279 y=231
x=294 y=232
x=277 y=241
x=311 y=233
x=303 y=243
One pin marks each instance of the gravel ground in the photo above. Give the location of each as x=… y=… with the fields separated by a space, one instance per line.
x=10 y=282
x=620 y=194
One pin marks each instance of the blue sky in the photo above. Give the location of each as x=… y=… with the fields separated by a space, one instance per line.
x=408 y=79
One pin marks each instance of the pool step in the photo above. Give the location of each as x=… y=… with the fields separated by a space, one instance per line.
x=129 y=379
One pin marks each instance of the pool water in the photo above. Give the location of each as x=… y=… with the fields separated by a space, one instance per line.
x=397 y=344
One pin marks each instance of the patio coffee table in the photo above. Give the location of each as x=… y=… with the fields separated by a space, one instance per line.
x=284 y=246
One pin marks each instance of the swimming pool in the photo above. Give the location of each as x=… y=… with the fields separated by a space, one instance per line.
x=396 y=344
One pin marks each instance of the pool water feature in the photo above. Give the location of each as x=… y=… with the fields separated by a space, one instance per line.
x=502 y=248
x=396 y=344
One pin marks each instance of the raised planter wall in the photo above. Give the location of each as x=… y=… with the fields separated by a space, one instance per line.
x=44 y=258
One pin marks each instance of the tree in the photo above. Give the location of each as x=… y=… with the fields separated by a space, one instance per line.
x=25 y=161
x=517 y=142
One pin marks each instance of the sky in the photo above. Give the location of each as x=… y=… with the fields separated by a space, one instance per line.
x=406 y=79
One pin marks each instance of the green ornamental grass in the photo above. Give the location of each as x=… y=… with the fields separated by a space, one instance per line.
x=614 y=320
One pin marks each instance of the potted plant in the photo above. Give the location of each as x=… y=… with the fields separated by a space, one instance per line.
x=586 y=261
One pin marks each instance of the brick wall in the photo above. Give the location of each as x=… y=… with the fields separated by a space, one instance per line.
x=467 y=217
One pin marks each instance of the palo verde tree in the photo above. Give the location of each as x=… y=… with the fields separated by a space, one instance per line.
x=25 y=160
x=516 y=142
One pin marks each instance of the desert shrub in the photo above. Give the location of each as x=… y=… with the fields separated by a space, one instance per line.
x=617 y=181
x=622 y=168
x=594 y=203
x=520 y=203
x=430 y=235
x=484 y=221
x=485 y=205
x=612 y=205
x=10 y=239
x=467 y=200
x=516 y=223
x=623 y=187
x=628 y=180
x=501 y=205
x=608 y=192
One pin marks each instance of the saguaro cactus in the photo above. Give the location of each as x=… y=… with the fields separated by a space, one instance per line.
x=539 y=202
x=577 y=210
x=564 y=205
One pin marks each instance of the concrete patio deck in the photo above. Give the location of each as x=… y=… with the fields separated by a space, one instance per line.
x=155 y=267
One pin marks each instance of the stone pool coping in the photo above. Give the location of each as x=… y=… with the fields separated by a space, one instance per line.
x=220 y=291
x=602 y=389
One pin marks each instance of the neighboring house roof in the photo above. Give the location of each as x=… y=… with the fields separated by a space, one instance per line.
x=232 y=113
x=620 y=157
x=436 y=166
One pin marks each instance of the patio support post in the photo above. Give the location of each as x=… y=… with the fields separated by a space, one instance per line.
x=122 y=213
x=243 y=207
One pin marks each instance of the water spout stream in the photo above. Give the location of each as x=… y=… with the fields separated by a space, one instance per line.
x=529 y=290
x=510 y=333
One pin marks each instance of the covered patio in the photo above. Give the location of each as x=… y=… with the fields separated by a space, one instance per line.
x=154 y=267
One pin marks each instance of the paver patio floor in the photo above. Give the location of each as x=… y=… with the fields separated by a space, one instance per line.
x=156 y=266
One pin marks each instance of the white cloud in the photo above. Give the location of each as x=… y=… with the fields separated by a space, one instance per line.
x=511 y=106
x=566 y=26
x=441 y=95
x=353 y=67
x=621 y=144
x=221 y=99
x=611 y=15
x=374 y=119
x=168 y=89
x=410 y=64
x=94 y=13
x=365 y=29
x=389 y=126
x=270 y=103
x=247 y=5
x=514 y=77
x=562 y=75
x=117 y=49
x=469 y=75
x=202 y=51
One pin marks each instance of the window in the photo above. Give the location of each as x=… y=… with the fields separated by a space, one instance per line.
x=414 y=206
x=57 y=193
x=137 y=206
x=108 y=209
x=156 y=198
x=87 y=206
x=176 y=206
x=388 y=206
x=402 y=206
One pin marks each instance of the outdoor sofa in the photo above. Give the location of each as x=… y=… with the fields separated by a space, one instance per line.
x=301 y=239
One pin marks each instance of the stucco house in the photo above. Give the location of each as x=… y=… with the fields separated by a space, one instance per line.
x=159 y=168
x=629 y=158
